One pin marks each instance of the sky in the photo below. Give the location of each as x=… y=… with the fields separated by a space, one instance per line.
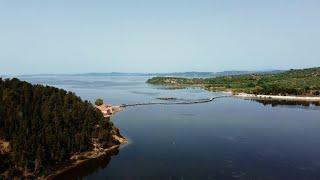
x=81 y=36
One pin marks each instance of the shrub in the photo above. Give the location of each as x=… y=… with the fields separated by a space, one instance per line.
x=99 y=102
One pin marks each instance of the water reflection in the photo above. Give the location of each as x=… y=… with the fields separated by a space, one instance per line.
x=89 y=167
x=289 y=104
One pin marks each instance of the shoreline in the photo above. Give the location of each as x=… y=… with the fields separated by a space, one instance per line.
x=96 y=153
x=255 y=96
x=80 y=162
x=278 y=97
x=266 y=97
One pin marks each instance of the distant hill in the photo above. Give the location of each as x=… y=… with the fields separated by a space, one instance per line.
x=304 y=82
x=110 y=74
x=191 y=74
x=180 y=74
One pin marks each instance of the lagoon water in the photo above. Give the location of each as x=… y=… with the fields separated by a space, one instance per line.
x=228 y=138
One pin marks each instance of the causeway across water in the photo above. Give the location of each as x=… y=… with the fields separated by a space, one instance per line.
x=176 y=101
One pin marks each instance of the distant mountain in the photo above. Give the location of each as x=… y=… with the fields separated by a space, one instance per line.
x=182 y=74
x=191 y=74
x=185 y=74
x=213 y=74
x=110 y=74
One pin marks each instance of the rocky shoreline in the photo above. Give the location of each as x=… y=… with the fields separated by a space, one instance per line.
x=97 y=152
x=86 y=156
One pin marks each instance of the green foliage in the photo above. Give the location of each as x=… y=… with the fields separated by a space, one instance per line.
x=45 y=126
x=292 y=82
x=99 y=102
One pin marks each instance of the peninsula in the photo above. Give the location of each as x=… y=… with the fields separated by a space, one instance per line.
x=45 y=131
x=300 y=84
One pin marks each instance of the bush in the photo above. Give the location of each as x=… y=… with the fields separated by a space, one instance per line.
x=99 y=102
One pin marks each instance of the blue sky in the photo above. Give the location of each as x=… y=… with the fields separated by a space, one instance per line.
x=75 y=36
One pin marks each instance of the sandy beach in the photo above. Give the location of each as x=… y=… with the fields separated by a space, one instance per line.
x=276 y=97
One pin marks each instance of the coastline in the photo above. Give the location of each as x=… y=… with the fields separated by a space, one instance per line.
x=264 y=96
x=278 y=97
x=96 y=153
x=256 y=96
x=79 y=162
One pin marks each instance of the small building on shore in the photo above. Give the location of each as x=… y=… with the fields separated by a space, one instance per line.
x=106 y=110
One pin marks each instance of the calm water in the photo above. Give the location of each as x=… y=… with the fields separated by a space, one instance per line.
x=226 y=139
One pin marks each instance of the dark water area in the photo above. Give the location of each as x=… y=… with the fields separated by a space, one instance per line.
x=289 y=104
x=228 y=138
x=89 y=167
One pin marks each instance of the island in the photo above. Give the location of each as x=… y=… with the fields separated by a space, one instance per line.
x=294 y=84
x=45 y=131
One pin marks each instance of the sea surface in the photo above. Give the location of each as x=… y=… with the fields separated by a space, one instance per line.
x=228 y=138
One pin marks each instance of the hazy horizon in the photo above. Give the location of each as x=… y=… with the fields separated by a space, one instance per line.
x=163 y=72
x=140 y=36
x=146 y=73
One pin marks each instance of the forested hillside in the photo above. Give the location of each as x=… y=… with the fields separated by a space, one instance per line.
x=304 y=82
x=41 y=127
